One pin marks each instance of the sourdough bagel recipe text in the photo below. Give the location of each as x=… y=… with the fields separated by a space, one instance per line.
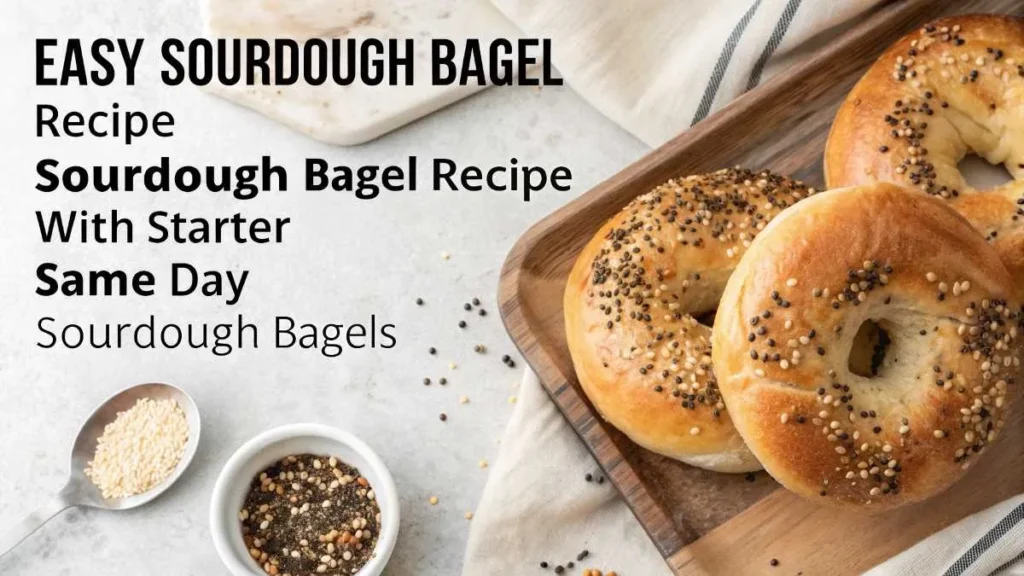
x=246 y=181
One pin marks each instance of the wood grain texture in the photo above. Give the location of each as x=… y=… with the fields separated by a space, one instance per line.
x=702 y=522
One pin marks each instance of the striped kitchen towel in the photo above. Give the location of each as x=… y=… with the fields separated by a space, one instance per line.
x=656 y=67
x=989 y=542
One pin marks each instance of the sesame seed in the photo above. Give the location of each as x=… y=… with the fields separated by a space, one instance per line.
x=139 y=449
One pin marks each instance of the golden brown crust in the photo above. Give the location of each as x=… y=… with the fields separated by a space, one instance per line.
x=954 y=87
x=803 y=291
x=640 y=356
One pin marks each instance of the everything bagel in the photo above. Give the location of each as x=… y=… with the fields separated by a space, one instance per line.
x=865 y=360
x=954 y=87
x=632 y=300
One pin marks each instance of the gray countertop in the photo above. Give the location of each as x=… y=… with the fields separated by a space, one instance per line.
x=342 y=261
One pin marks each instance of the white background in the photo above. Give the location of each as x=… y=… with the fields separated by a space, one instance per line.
x=342 y=260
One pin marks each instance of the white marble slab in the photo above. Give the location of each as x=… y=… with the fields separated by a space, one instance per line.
x=343 y=259
x=356 y=113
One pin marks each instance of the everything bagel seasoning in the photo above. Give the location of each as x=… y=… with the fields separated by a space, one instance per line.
x=308 y=515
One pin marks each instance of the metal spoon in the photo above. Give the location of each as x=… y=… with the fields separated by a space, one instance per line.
x=79 y=490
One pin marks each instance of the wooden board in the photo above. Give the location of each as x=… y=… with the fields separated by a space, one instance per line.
x=704 y=522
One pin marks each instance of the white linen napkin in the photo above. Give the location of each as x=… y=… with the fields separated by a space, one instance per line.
x=657 y=67
x=538 y=507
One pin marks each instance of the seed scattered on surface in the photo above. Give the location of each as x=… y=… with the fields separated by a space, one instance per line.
x=469 y=515
x=432 y=351
x=774 y=562
x=443 y=417
x=419 y=301
x=445 y=255
x=433 y=500
x=512 y=399
x=462 y=323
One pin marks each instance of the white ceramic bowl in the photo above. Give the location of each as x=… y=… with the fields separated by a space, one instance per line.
x=273 y=445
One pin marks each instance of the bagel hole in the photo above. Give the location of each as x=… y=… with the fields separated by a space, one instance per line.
x=981 y=174
x=870 y=348
x=707 y=318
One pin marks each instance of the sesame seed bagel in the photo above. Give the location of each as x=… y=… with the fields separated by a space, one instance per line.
x=867 y=346
x=641 y=357
x=952 y=88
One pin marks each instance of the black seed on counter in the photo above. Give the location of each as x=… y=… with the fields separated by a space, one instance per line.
x=426 y=381
x=419 y=301
x=482 y=312
x=462 y=323
x=467 y=306
x=432 y=350
x=443 y=416
x=476 y=301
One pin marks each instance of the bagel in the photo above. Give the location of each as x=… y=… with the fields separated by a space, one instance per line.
x=867 y=346
x=954 y=87
x=631 y=303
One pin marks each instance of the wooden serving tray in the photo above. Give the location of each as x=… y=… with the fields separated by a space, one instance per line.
x=703 y=522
